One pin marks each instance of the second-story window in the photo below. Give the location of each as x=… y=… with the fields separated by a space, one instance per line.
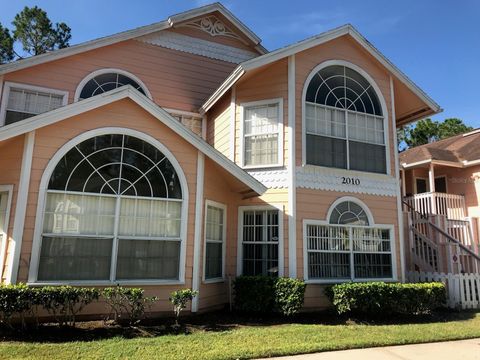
x=24 y=101
x=262 y=133
x=344 y=122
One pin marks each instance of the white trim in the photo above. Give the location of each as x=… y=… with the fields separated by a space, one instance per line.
x=6 y=94
x=21 y=207
x=292 y=174
x=372 y=224
x=98 y=72
x=182 y=112
x=197 y=239
x=318 y=40
x=224 y=241
x=378 y=92
x=354 y=200
x=197 y=46
x=241 y=157
x=272 y=178
x=281 y=243
x=42 y=191
x=3 y=250
x=330 y=179
x=401 y=234
x=164 y=117
x=233 y=113
x=130 y=34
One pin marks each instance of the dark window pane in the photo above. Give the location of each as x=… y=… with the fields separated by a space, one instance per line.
x=213 y=260
x=371 y=266
x=148 y=259
x=106 y=82
x=326 y=151
x=15 y=116
x=74 y=259
x=328 y=265
x=367 y=157
x=260 y=259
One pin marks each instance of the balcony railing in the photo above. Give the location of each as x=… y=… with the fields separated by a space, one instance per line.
x=435 y=203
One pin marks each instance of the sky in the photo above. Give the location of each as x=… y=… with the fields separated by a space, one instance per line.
x=435 y=42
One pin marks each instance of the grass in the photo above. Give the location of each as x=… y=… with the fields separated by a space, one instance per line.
x=244 y=339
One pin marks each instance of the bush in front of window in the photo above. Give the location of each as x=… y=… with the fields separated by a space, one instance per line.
x=266 y=295
x=375 y=298
x=179 y=300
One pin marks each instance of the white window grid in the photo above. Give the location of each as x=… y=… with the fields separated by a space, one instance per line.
x=346 y=241
x=193 y=123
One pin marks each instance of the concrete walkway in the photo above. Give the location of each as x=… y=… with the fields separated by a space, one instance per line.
x=449 y=350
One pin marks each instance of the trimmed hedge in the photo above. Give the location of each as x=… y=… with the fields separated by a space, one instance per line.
x=264 y=294
x=375 y=298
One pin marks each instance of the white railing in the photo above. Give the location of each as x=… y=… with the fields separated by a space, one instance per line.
x=435 y=203
x=463 y=290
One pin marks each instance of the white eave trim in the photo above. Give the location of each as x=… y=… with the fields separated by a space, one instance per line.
x=130 y=34
x=120 y=93
x=315 y=41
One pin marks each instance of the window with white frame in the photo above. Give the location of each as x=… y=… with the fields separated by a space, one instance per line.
x=260 y=242
x=348 y=247
x=262 y=133
x=113 y=212
x=215 y=232
x=192 y=122
x=24 y=101
x=344 y=122
x=104 y=81
x=3 y=222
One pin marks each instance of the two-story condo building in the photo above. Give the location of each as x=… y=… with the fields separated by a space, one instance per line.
x=183 y=153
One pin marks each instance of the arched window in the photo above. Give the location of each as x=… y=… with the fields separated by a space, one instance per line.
x=350 y=246
x=105 y=80
x=113 y=212
x=344 y=121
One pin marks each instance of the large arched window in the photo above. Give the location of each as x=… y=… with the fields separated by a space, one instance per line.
x=113 y=212
x=344 y=121
x=104 y=80
x=349 y=246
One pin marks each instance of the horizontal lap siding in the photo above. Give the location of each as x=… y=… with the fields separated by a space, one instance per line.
x=176 y=80
x=10 y=162
x=123 y=113
x=218 y=126
x=270 y=83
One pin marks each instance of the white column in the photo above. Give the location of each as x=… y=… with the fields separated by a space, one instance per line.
x=292 y=186
x=397 y=176
x=431 y=182
x=404 y=186
x=21 y=207
x=232 y=123
x=197 y=240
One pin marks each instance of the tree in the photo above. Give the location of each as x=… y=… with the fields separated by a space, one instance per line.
x=427 y=131
x=35 y=31
x=6 y=45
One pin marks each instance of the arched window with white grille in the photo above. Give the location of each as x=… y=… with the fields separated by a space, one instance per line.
x=349 y=245
x=344 y=121
x=113 y=212
x=103 y=80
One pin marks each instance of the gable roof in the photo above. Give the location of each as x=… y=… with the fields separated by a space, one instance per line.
x=307 y=44
x=460 y=150
x=148 y=105
x=134 y=33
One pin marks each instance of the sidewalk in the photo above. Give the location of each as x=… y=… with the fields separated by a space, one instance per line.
x=463 y=349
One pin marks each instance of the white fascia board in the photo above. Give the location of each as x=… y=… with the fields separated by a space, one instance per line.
x=318 y=40
x=123 y=92
x=221 y=9
x=83 y=47
x=224 y=87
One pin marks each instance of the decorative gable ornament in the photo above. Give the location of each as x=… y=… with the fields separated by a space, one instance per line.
x=213 y=26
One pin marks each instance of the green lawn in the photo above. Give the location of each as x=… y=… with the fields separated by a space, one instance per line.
x=249 y=341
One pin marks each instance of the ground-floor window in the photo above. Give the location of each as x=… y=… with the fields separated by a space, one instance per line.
x=215 y=236
x=260 y=242
x=113 y=212
x=348 y=246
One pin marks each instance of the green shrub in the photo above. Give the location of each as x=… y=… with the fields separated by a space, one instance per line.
x=180 y=299
x=126 y=303
x=375 y=298
x=263 y=294
x=65 y=302
x=16 y=301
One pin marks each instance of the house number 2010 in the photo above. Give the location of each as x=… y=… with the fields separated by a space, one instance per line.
x=350 y=181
